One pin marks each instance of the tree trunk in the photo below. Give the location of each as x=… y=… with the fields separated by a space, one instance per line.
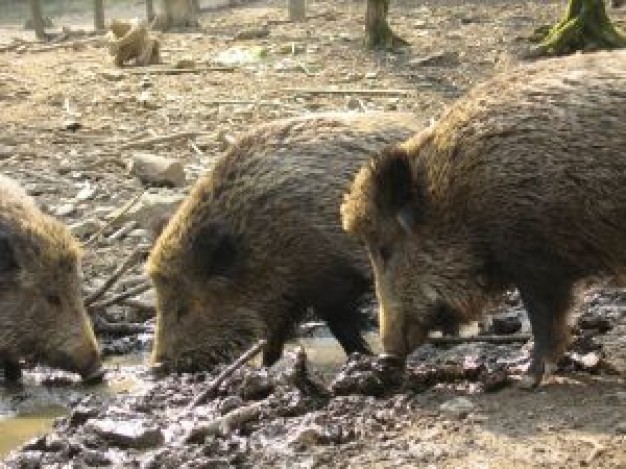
x=98 y=15
x=378 y=34
x=585 y=26
x=149 y=10
x=296 y=10
x=176 y=14
x=37 y=15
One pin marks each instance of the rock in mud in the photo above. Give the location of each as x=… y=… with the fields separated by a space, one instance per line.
x=369 y=376
x=312 y=435
x=127 y=433
x=153 y=209
x=505 y=324
x=157 y=170
x=81 y=414
x=84 y=228
x=459 y=407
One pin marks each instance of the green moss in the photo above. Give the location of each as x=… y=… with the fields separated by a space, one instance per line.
x=585 y=26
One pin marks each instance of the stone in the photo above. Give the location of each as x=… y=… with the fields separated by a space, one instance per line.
x=459 y=407
x=112 y=75
x=185 y=62
x=505 y=324
x=65 y=210
x=256 y=385
x=252 y=33
x=440 y=59
x=81 y=414
x=6 y=151
x=157 y=170
x=152 y=210
x=229 y=403
x=136 y=434
x=84 y=228
x=309 y=436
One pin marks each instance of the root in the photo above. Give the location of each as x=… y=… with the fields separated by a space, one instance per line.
x=586 y=26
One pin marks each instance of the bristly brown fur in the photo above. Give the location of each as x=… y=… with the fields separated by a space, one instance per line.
x=264 y=227
x=526 y=181
x=41 y=309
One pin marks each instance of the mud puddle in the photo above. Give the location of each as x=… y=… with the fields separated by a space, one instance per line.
x=29 y=410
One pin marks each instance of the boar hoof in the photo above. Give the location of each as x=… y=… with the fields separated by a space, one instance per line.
x=94 y=377
x=392 y=361
x=12 y=372
x=538 y=372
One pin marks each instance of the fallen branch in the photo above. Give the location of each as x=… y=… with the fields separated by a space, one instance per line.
x=216 y=383
x=130 y=204
x=357 y=91
x=131 y=292
x=132 y=260
x=492 y=339
x=160 y=139
x=178 y=71
x=139 y=305
x=72 y=44
x=226 y=424
x=102 y=326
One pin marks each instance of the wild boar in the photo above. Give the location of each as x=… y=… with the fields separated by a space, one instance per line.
x=259 y=241
x=522 y=184
x=42 y=316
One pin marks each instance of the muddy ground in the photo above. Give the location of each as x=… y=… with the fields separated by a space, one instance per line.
x=69 y=121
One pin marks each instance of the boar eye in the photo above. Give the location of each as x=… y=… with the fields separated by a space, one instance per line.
x=385 y=253
x=181 y=311
x=54 y=300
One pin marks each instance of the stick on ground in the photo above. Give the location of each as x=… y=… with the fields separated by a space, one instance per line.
x=133 y=259
x=131 y=292
x=159 y=139
x=492 y=339
x=215 y=384
x=131 y=203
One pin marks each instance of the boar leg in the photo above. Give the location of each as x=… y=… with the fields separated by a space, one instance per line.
x=344 y=325
x=276 y=339
x=12 y=371
x=547 y=307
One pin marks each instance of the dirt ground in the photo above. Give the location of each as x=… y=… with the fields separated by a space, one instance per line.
x=67 y=117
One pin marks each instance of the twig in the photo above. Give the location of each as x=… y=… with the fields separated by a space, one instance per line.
x=139 y=305
x=132 y=260
x=226 y=424
x=131 y=203
x=492 y=339
x=160 y=139
x=101 y=325
x=68 y=44
x=131 y=292
x=177 y=71
x=358 y=91
x=215 y=384
x=241 y=101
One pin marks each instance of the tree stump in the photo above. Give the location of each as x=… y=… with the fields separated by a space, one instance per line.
x=378 y=33
x=585 y=26
x=297 y=10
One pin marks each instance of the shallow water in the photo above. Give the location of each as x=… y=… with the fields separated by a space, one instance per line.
x=29 y=410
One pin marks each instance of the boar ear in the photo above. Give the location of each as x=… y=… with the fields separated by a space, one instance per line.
x=402 y=189
x=216 y=251
x=8 y=261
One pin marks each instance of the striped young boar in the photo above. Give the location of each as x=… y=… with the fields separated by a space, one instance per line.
x=522 y=184
x=42 y=317
x=259 y=241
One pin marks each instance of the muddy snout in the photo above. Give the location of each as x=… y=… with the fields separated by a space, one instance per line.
x=94 y=375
